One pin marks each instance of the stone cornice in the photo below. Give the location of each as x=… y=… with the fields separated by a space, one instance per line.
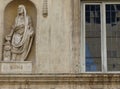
x=61 y=78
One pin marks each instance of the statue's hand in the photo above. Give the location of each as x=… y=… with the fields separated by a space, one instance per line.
x=19 y=27
x=22 y=26
x=8 y=37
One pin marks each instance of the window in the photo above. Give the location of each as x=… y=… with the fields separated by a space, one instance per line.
x=101 y=37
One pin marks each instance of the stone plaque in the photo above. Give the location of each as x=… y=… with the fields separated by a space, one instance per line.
x=16 y=67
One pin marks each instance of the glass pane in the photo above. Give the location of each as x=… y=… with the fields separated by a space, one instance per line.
x=113 y=36
x=93 y=38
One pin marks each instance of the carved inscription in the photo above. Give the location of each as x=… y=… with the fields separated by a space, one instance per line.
x=16 y=67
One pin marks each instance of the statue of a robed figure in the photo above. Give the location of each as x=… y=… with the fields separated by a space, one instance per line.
x=18 y=42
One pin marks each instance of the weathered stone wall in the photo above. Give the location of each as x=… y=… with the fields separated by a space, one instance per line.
x=59 y=86
x=53 y=34
x=54 y=38
x=64 y=81
x=56 y=61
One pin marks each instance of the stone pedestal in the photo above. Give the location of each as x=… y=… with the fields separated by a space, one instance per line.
x=16 y=67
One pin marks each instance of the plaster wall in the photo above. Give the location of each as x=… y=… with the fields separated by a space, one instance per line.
x=56 y=60
x=52 y=48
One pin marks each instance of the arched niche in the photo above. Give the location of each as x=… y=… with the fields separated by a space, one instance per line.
x=9 y=18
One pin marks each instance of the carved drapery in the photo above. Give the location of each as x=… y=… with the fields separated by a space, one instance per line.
x=18 y=42
x=10 y=13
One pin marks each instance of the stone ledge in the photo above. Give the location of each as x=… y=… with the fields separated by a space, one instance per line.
x=61 y=78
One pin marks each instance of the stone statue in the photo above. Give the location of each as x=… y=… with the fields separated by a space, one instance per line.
x=18 y=43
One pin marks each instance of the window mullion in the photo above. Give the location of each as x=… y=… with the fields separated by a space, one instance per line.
x=103 y=38
x=82 y=60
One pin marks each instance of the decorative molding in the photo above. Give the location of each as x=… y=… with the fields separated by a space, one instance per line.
x=61 y=79
x=99 y=0
x=45 y=8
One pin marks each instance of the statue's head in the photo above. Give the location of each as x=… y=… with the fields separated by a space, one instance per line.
x=21 y=9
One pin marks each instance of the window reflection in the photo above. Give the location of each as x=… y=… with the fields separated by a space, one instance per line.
x=93 y=38
x=112 y=13
x=93 y=14
x=113 y=36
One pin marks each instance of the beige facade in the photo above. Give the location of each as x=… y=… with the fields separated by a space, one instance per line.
x=55 y=53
